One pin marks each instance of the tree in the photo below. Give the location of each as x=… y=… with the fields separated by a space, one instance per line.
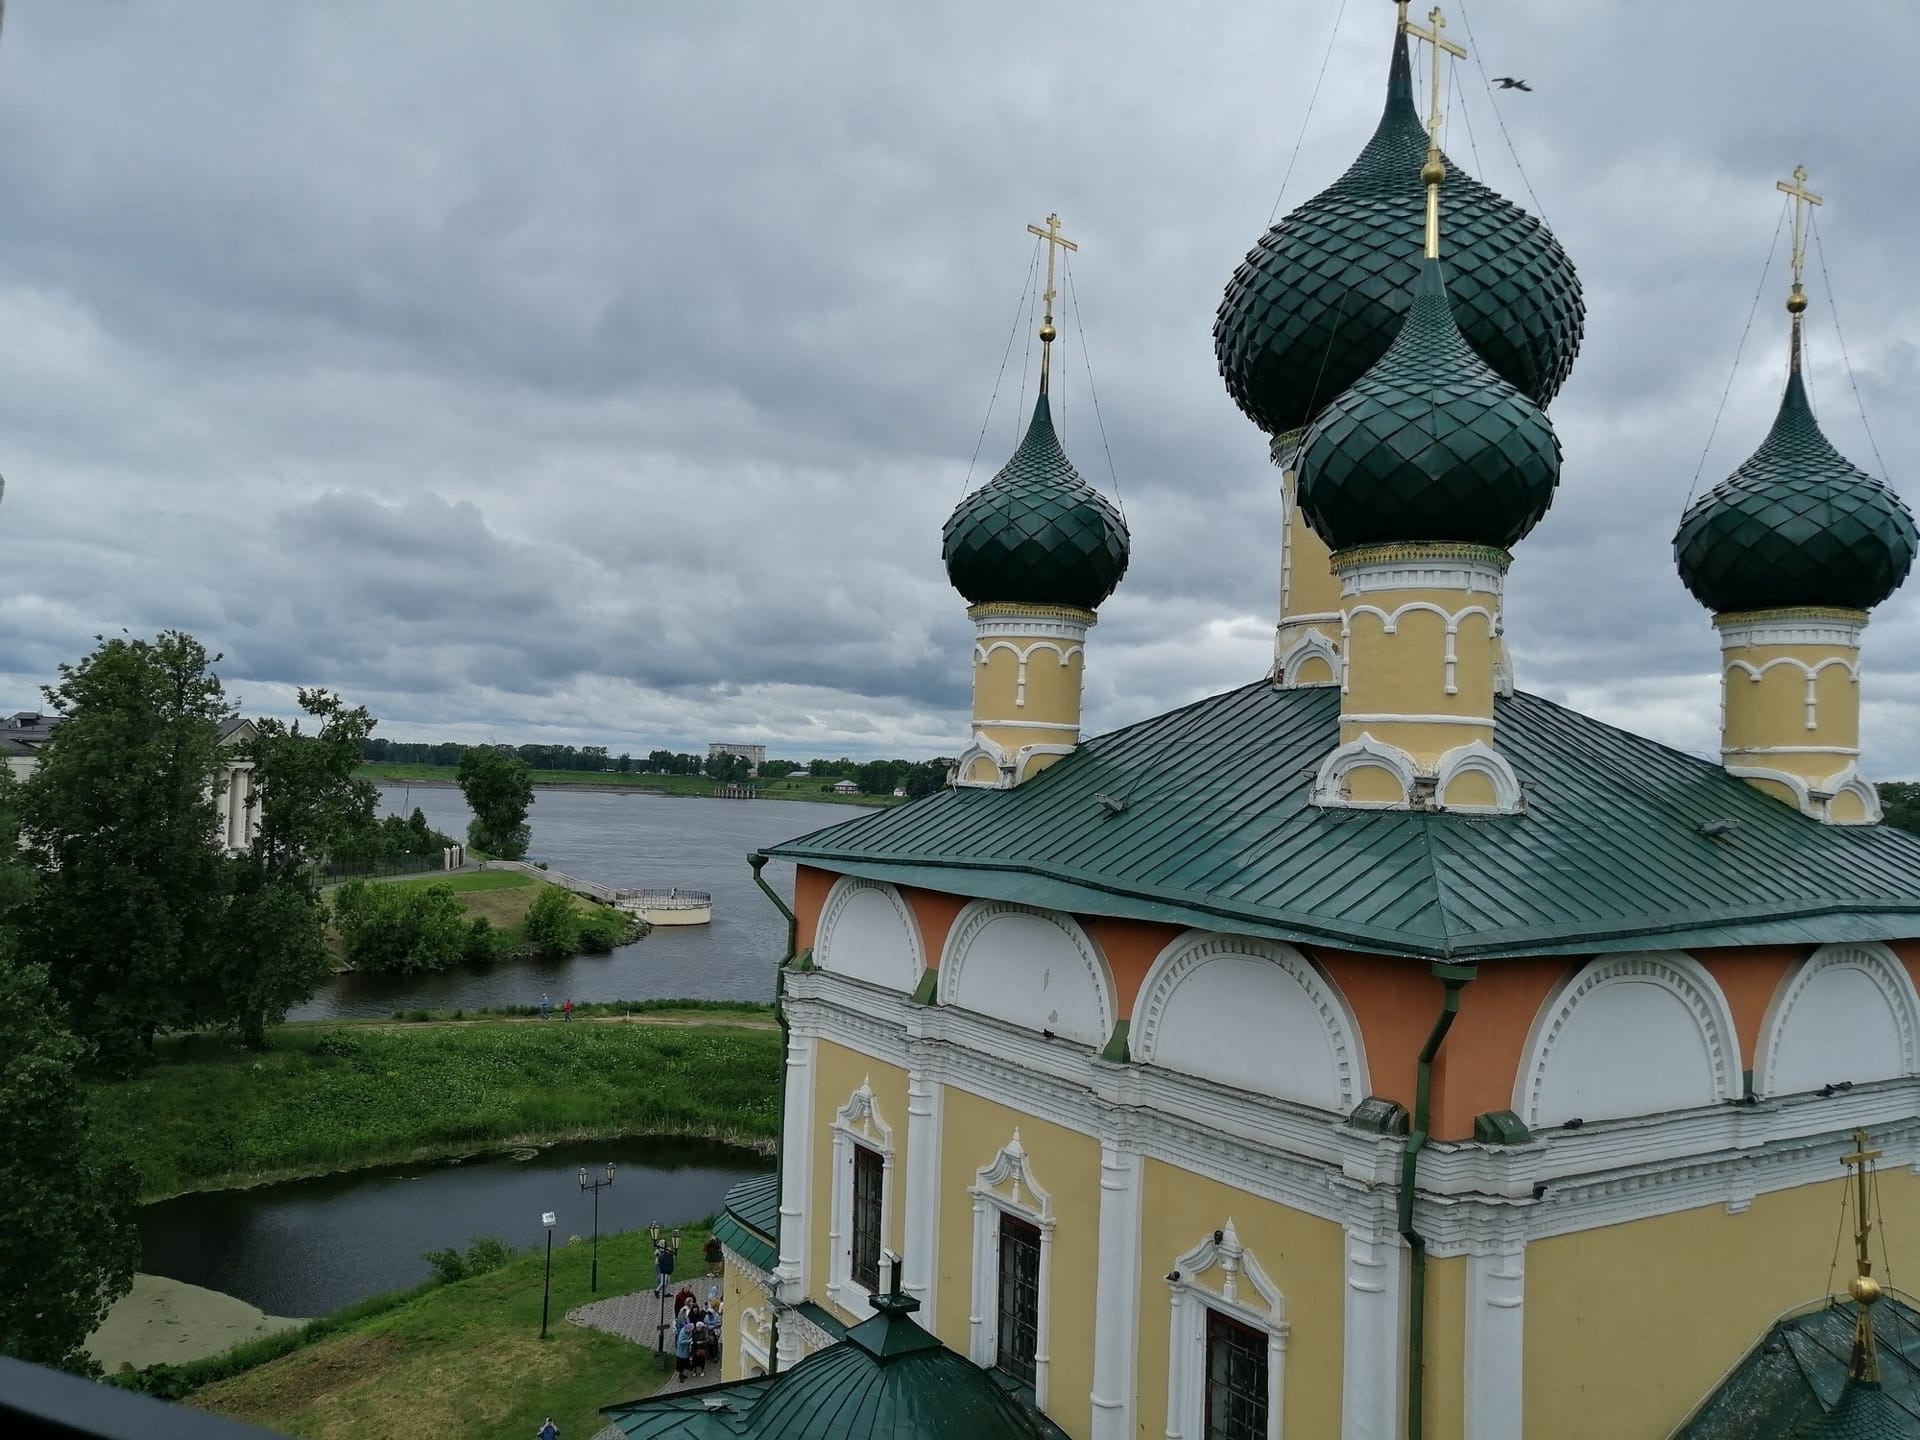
x=406 y=927
x=1900 y=799
x=119 y=819
x=880 y=777
x=552 y=924
x=625 y=764
x=927 y=776
x=499 y=793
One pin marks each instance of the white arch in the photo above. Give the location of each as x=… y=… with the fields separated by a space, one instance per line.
x=1254 y=1014
x=1365 y=752
x=1476 y=757
x=1629 y=1035
x=1307 y=645
x=868 y=931
x=1845 y=1012
x=1033 y=968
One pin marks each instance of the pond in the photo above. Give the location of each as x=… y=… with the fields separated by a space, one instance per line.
x=618 y=839
x=308 y=1247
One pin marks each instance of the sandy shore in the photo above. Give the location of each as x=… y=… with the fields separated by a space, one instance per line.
x=172 y=1322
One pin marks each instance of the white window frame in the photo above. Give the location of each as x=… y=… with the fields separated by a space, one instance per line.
x=1264 y=1311
x=857 y=1123
x=1007 y=1187
x=756 y=1328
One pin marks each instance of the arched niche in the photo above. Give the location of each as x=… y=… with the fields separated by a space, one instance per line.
x=1846 y=1012
x=867 y=931
x=1254 y=1014
x=1629 y=1035
x=1032 y=968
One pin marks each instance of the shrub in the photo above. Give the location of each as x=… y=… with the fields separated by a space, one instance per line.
x=448 y=1264
x=600 y=932
x=335 y=1044
x=482 y=942
x=487 y=1252
x=552 y=925
x=402 y=928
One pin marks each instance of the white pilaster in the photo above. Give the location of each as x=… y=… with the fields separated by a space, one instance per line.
x=236 y=811
x=796 y=1172
x=920 y=1233
x=1117 y=1294
x=1374 y=1376
x=1496 y=1327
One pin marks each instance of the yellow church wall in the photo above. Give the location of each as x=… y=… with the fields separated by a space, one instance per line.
x=1303 y=1255
x=1312 y=587
x=1772 y=709
x=1446 y=1387
x=1472 y=788
x=740 y=1295
x=1314 y=670
x=1629 y=1327
x=838 y=1072
x=1067 y=1165
x=1846 y=809
x=1052 y=690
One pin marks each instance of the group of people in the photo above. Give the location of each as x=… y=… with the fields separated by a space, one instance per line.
x=566 y=1008
x=696 y=1332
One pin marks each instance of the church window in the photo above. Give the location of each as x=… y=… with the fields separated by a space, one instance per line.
x=1018 y=1334
x=1236 y=1380
x=868 y=1178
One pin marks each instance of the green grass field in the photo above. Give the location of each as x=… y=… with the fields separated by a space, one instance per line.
x=791 y=787
x=460 y=1360
x=211 y=1114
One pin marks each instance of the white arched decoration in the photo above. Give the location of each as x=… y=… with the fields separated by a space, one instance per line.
x=1006 y=1186
x=1209 y=1277
x=1846 y=1012
x=1330 y=784
x=1032 y=968
x=1629 y=1035
x=1254 y=1014
x=1476 y=757
x=867 y=931
x=1309 y=644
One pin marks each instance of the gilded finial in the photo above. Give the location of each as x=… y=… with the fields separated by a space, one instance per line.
x=1055 y=240
x=1802 y=198
x=1433 y=173
x=1865 y=1289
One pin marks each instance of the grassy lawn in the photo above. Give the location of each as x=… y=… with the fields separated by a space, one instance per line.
x=209 y=1114
x=503 y=897
x=464 y=1359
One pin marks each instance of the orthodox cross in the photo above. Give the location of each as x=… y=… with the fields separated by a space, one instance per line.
x=1055 y=241
x=1802 y=198
x=1865 y=1290
x=1435 y=36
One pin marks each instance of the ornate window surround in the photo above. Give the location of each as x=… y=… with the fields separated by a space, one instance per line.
x=1025 y=1199
x=857 y=1123
x=756 y=1330
x=1880 y=964
x=1265 y=1310
x=838 y=898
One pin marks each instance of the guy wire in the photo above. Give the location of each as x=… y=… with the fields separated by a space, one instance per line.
x=1026 y=351
x=1304 y=119
x=1004 y=356
x=1833 y=308
x=1473 y=47
x=1086 y=363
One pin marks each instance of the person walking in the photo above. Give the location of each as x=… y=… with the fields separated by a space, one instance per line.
x=566 y=1010
x=548 y=1431
x=682 y=1347
x=546 y=1006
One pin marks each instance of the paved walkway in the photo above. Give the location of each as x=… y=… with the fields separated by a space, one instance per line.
x=635 y=1316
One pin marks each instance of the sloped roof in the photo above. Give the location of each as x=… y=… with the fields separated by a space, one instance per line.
x=749 y=1224
x=1218 y=830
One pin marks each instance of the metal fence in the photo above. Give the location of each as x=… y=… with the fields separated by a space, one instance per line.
x=666 y=899
x=377 y=869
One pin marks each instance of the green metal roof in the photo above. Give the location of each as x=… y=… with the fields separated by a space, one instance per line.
x=1428 y=445
x=1320 y=297
x=1794 y=1382
x=1797 y=524
x=749 y=1223
x=1036 y=533
x=1218 y=831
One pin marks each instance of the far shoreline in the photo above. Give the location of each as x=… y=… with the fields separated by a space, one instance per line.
x=597 y=787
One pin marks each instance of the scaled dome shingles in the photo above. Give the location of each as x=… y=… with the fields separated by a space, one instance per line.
x=1037 y=533
x=1319 y=300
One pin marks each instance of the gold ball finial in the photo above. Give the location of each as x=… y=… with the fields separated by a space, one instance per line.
x=1047 y=332
x=1796 y=301
x=1432 y=173
x=1865 y=1289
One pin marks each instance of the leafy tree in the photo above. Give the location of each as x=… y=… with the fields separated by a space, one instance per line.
x=552 y=924
x=403 y=928
x=1900 y=800
x=779 y=769
x=880 y=777
x=119 y=819
x=625 y=764
x=928 y=776
x=499 y=793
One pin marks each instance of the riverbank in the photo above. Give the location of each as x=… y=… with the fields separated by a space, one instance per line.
x=787 y=787
x=209 y=1114
x=451 y=1360
x=169 y=1322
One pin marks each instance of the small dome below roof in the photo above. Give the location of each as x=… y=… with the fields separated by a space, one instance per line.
x=1430 y=446
x=1797 y=524
x=1036 y=534
x=1321 y=297
x=1864 y=1411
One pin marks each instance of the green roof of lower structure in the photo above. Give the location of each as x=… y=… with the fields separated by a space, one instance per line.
x=749 y=1222
x=1204 y=817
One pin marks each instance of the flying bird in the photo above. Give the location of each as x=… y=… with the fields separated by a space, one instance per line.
x=1507 y=82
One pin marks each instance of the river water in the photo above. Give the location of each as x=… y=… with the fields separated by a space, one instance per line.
x=308 y=1247
x=638 y=840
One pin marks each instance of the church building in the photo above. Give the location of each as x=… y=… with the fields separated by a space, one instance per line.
x=1374 y=1050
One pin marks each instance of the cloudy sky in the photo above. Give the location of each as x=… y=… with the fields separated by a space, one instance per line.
x=599 y=372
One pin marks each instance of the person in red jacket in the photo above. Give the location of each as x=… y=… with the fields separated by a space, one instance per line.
x=566 y=1010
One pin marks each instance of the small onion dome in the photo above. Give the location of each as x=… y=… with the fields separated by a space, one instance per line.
x=1798 y=524
x=1318 y=301
x=1430 y=446
x=1036 y=534
x=1863 y=1412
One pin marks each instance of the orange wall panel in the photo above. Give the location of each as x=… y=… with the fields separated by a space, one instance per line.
x=810 y=887
x=1131 y=947
x=1749 y=977
x=935 y=913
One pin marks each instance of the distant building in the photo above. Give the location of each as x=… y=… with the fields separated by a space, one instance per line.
x=754 y=755
x=846 y=787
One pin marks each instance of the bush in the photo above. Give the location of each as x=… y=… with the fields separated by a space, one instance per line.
x=552 y=924
x=483 y=942
x=600 y=932
x=402 y=928
x=487 y=1252
x=338 y=1045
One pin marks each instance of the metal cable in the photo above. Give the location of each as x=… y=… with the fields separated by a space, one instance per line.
x=1833 y=305
x=1466 y=117
x=1086 y=364
x=1004 y=357
x=1304 y=119
x=1739 y=350
x=1833 y=1266
x=1026 y=352
x=1473 y=47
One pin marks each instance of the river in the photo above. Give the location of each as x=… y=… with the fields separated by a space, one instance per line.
x=308 y=1247
x=617 y=839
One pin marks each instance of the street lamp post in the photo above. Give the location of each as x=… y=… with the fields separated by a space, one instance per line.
x=547 y=1219
x=596 y=1186
x=665 y=1249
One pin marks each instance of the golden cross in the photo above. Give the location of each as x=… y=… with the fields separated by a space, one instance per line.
x=1055 y=241
x=1802 y=198
x=1865 y=1364
x=1861 y=1162
x=1434 y=35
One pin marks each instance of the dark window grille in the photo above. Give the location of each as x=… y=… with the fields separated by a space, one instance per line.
x=867 y=1173
x=1236 y=1380
x=1019 y=1330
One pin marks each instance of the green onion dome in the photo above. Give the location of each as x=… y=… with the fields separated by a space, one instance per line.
x=1430 y=446
x=1798 y=524
x=1318 y=301
x=1036 y=534
x=1863 y=1412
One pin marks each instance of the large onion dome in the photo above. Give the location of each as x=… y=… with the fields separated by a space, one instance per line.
x=1036 y=534
x=1318 y=301
x=1430 y=446
x=1798 y=524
